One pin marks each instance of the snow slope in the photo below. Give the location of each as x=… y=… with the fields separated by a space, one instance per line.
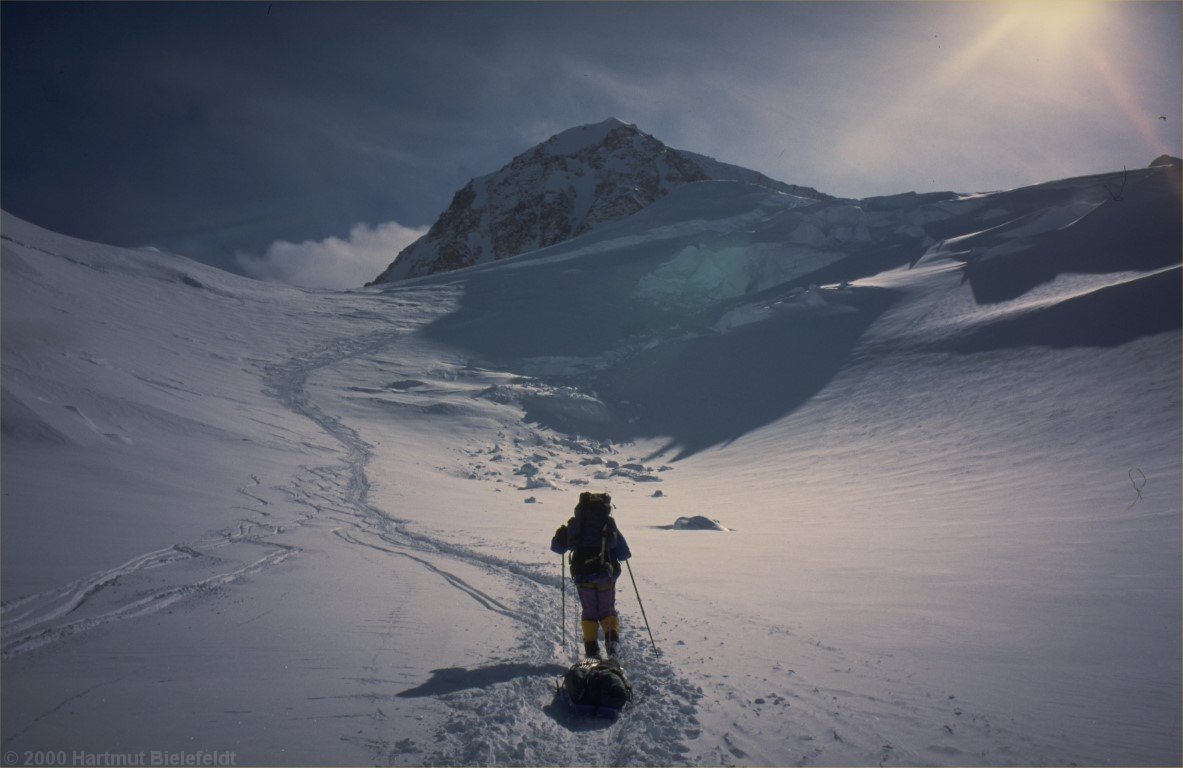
x=941 y=432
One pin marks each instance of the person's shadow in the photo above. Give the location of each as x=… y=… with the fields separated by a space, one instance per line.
x=452 y=679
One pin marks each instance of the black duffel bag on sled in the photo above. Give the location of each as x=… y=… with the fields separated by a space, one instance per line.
x=596 y=687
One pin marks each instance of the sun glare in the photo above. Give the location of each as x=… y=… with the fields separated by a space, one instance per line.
x=1057 y=24
x=1068 y=33
x=1022 y=51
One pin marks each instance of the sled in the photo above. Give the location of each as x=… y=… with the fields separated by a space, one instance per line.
x=595 y=688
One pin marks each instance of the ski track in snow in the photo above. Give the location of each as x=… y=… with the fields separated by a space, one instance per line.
x=45 y=621
x=516 y=721
x=120 y=593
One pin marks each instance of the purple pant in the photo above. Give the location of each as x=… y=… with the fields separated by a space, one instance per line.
x=598 y=599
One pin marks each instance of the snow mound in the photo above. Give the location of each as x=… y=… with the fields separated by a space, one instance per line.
x=697 y=523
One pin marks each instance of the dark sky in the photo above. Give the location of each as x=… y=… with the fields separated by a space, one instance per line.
x=215 y=128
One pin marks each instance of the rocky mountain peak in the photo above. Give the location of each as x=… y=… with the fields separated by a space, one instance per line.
x=581 y=137
x=565 y=186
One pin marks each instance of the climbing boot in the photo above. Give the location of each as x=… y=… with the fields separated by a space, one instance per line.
x=591 y=649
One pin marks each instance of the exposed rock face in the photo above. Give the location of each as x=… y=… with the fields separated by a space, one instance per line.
x=569 y=184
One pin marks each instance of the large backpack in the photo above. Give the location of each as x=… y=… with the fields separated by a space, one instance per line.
x=591 y=537
x=595 y=687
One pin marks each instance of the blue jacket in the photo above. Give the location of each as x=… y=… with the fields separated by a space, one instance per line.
x=617 y=546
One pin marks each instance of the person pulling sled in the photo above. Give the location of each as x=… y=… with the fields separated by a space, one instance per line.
x=597 y=548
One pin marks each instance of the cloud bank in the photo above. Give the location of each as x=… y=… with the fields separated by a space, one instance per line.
x=333 y=263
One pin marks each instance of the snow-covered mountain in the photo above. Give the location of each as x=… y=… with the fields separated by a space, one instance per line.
x=941 y=436
x=565 y=186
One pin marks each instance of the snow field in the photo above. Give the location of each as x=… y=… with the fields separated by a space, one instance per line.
x=313 y=527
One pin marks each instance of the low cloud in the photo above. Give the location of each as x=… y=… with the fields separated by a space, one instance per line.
x=334 y=262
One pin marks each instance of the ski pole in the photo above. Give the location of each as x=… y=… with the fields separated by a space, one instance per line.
x=563 y=587
x=643 y=616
